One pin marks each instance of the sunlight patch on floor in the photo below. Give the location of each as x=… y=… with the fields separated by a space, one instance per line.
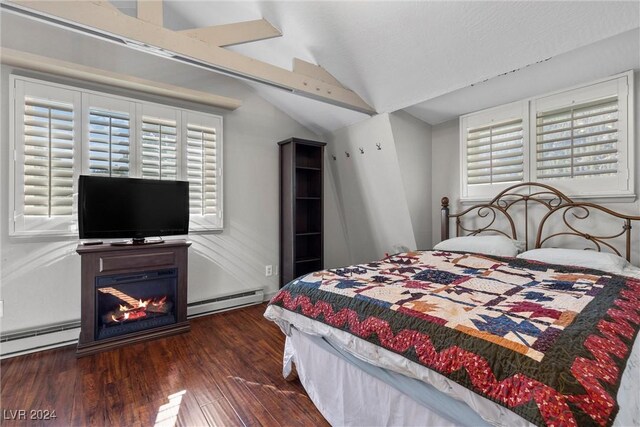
x=168 y=413
x=268 y=387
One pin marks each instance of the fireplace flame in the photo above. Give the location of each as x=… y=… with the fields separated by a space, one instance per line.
x=138 y=309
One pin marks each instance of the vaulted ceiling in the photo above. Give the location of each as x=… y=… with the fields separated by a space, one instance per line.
x=436 y=59
x=397 y=55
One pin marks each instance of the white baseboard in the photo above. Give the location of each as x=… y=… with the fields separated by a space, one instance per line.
x=35 y=343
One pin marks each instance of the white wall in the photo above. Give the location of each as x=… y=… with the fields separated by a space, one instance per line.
x=336 y=247
x=412 y=139
x=445 y=170
x=384 y=194
x=446 y=179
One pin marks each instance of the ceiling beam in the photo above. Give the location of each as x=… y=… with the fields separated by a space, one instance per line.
x=233 y=34
x=314 y=71
x=106 y=3
x=151 y=11
x=106 y=22
x=61 y=68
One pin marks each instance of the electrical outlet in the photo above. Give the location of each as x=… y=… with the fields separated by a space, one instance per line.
x=268 y=270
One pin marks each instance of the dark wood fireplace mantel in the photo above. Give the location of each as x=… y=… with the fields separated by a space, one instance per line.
x=106 y=261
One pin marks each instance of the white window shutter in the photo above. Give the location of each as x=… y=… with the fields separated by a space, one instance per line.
x=48 y=157
x=580 y=140
x=45 y=129
x=109 y=143
x=158 y=142
x=159 y=149
x=203 y=168
x=108 y=148
x=493 y=146
x=495 y=153
x=58 y=132
x=584 y=139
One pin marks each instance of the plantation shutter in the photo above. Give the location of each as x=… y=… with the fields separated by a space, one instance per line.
x=109 y=148
x=202 y=169
x=159 y=148
x=48 y=162
x=58 y=132
x=495 y=153
x=578 y=141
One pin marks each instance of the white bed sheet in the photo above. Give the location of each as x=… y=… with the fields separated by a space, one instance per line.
x=346 y=395
x=628 y=393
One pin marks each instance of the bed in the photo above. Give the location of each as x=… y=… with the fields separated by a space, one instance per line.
x=481 y=330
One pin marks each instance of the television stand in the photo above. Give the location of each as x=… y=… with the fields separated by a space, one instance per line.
x=137 y=241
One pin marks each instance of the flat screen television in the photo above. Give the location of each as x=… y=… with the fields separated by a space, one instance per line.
x=131 y=208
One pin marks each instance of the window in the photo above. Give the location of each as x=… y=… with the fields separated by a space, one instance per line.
x=583 y=139
x=108 y=143
x=493 y=143
x=59 y=132
x=494 y=153
x=203 y=171
x=159 y=142
x=581 y=142
x=107 y=134
x=46 y=121
x=578 y=141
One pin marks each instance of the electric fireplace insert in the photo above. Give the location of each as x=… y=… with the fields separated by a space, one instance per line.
x=128 y=303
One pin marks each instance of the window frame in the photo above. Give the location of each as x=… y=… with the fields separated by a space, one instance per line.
x=497 y=115
x=579 y=188
x=67 y=226
x=37 y=226
x=589 y=187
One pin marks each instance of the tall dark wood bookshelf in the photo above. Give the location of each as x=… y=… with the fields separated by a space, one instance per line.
x=301 y=207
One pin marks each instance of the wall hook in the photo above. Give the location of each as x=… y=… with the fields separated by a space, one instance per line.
x=347 y=153
x=334 y=157
x=361 y=150
x=379 y=146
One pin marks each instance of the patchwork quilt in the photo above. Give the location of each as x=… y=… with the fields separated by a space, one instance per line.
x=549 y=342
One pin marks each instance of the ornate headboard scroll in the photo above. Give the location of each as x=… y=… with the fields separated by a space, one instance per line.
x=497 y=216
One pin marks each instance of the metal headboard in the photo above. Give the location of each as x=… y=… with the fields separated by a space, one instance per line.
x=558 y=206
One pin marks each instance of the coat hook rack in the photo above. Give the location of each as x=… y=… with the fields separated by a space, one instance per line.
x=361 y=150
x=379 y=146
x=347 y=153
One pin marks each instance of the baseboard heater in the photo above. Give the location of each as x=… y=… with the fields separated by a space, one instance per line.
x=58 y=335
x=38 y=339
x=225 y=302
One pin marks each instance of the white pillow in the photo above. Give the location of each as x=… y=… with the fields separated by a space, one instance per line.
x=488 y=245
x=604 y=261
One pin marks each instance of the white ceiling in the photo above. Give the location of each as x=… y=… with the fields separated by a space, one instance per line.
x=399 y=54
x=603 y=58
x=419 y=56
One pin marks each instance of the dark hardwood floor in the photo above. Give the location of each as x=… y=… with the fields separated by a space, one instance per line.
x=226 y=371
